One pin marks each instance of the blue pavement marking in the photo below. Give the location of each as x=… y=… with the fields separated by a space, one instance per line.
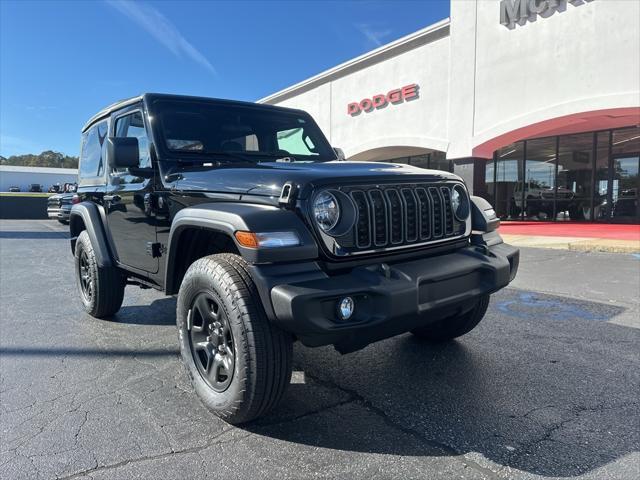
x=550 y=308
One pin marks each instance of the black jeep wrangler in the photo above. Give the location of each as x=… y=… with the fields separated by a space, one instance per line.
x=268 y=236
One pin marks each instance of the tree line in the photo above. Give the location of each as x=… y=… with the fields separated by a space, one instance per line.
x=48 y=158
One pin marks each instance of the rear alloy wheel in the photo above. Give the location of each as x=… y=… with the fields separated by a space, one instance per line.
x=452 y=327
x=238 y=361
x=101 y=288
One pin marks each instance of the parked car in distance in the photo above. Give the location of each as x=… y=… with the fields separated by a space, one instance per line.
x=35 y=188
x=59 y=206
x=14 y=189
x=267 y=236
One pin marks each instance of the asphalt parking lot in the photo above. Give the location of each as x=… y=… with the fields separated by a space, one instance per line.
x=546 y=386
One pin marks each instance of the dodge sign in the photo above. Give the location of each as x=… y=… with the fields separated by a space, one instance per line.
x=376 y=102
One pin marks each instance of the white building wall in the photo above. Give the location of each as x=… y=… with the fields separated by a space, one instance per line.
x=10 y=176
x=417 y=123
x=581 y=59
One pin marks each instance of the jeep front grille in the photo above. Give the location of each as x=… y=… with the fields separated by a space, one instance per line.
x=399 y=215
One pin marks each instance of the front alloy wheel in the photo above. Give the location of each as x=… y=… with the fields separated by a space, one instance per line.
x=238 y=361
x=211 y=342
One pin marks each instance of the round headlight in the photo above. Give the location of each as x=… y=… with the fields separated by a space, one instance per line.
x=459 y=202
x=326 y=211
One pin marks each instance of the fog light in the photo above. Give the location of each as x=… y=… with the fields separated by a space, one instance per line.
x=346 y=308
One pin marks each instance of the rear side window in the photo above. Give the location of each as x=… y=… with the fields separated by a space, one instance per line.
x=92 y=155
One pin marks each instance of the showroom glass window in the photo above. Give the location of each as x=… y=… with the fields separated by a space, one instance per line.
x=625 y=164
x=587 y=176
x=539 y=187
x=601 y=202
x=575 y=170
x=508 y=185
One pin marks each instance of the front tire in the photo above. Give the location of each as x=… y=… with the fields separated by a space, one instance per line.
x=101 y=288
x=239 y=363
x=452 y=327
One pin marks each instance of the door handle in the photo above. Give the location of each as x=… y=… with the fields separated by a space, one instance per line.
x=111 y=198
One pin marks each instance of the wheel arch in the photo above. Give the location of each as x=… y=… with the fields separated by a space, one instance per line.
x=220 y=222
x=85 y=216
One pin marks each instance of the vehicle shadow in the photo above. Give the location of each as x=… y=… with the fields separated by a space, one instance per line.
x=161 y=311
x=545 y=404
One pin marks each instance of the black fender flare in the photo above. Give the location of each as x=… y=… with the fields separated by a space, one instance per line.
x=88 y=214
x=228 y=218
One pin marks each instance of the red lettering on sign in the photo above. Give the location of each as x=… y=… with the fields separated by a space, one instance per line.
x=410 y=91
x=366 y=105
x=353 y=108
x=379 y=101
x=395 y=96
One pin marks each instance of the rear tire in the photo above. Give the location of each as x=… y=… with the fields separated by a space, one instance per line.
x=452 y=327
x=101 y=288
x=238 y=361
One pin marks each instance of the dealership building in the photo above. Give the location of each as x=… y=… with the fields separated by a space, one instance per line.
x=535 y=103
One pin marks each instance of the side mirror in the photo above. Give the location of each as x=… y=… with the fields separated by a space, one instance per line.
x=123 y=152
x=339 y=153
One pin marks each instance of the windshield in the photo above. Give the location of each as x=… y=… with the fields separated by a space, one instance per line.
x=239 y=132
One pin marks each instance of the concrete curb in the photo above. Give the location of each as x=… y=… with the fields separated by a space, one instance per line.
x=578 y=244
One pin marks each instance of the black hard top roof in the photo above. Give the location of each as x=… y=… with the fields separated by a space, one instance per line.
x=150 y=97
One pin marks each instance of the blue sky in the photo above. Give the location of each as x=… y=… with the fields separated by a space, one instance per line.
x=60 y=62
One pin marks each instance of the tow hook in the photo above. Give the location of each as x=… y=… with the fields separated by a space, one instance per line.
x=385 y=270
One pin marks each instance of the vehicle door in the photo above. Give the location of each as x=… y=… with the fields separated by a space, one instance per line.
x=128 y=201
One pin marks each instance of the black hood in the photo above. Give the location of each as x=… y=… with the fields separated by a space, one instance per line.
x=267 y=178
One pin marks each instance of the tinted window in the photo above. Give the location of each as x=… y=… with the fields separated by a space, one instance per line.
x=256 y=133
x=133 y=126
x=93 y=140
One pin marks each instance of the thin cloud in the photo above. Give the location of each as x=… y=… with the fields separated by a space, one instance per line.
x=373 y=34
x=160 y=28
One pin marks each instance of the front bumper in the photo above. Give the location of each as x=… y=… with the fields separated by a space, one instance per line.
x=390 y=299
x=61 y=213
x=65 y=213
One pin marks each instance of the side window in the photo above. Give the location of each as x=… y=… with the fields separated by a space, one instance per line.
x=296 y=142
x=92 y=155
x=133 y=126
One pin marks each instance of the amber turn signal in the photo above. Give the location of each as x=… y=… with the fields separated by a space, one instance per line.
x=247 y=239
x=267 y=239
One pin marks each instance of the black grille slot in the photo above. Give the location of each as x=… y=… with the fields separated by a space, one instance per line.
x=379 y=212
x=363 y=230
x=396 y=216
x=436 y=202
x=447 y=212
x=411 y=214
x=425 y=214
